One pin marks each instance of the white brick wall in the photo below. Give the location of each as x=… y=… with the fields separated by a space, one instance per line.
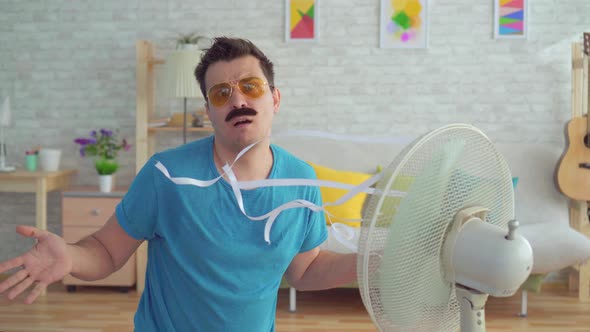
x=70 y=67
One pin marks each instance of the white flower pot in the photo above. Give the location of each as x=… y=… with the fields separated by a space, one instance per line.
x=106 y=183
x=192 y=47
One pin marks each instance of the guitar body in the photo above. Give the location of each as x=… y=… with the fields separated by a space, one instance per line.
x=573 y=175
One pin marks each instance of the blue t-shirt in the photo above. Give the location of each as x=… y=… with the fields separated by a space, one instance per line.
x=209 y=268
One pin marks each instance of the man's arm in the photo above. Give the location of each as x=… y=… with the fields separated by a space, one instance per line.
x=102 y=253
x=51 y=259
x=320 y=269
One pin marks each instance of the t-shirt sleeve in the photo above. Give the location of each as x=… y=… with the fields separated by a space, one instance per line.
x=137 y=210
x=317 y=231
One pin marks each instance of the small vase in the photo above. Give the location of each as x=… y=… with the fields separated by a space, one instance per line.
x=106 y=183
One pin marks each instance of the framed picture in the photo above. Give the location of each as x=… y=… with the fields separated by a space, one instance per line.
x=510 y=19
x=404 y=24
x=302 y=20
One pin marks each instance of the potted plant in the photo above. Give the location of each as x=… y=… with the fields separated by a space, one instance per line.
x=190 y=40
x=104 y=146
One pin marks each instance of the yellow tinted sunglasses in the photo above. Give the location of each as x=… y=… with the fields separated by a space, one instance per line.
x=251 y=87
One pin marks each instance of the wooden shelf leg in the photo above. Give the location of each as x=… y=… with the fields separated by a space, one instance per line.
x=41 y=208
x=579 y=280
x=573 y=281
x=140 y=268
x=584 y=282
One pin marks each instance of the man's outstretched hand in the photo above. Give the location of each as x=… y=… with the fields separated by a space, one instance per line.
x=47 y=262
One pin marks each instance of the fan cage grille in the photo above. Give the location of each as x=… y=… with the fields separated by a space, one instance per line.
x=401 y=276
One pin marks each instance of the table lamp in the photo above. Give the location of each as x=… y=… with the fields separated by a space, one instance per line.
x=5 y=122
x=180 y=81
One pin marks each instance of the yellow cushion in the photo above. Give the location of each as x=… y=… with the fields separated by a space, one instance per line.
x=390 y=204
x=351 y=209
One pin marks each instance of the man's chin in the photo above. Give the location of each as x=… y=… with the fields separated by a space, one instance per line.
x=244 y=141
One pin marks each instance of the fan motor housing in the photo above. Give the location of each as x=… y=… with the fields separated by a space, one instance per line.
x=485 y=259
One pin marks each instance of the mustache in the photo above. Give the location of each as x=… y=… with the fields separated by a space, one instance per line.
x=240 y=112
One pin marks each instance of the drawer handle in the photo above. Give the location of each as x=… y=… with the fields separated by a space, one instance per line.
x=95 y=212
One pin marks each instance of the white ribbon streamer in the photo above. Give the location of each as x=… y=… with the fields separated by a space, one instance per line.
x=344 y=234
x=271 y=216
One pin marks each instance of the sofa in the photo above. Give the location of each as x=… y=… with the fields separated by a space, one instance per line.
x=540 y=209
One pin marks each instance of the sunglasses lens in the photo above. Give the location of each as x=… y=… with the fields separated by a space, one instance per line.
x=219 y=94
x=252 y=87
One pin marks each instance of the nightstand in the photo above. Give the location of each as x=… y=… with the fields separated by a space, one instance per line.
x=84 y=211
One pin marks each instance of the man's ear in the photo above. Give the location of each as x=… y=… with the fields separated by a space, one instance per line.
x=207 y=109
x=276 y=97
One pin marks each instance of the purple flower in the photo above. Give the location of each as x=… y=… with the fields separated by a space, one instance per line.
x=105 y=132
x=126 y=146
x=102 y=143
x=84 y=141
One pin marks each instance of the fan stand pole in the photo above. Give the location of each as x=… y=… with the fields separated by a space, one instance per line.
x=472 y=303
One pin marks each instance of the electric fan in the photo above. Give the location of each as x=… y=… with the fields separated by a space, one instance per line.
x=428 y=259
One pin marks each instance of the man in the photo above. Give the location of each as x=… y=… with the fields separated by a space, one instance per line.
x=209 y=268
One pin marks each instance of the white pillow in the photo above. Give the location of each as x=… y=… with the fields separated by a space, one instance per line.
x=555 y=246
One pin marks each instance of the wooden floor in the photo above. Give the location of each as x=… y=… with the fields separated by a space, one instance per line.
x=106 y=310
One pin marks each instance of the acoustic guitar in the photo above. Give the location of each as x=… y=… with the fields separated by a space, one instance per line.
x=573 y=175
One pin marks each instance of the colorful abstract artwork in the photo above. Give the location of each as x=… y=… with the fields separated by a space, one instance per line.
x=301 y=20
x=404 y=24
x=510 y=18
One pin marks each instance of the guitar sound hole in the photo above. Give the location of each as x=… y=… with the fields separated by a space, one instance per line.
x=586 y=143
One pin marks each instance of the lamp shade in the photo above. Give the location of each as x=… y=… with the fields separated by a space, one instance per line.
x=5 y=114
x=179 y=69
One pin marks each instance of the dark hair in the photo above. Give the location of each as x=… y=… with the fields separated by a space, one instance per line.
x=227 y=49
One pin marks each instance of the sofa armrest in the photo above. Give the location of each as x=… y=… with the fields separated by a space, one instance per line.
x=555 y=246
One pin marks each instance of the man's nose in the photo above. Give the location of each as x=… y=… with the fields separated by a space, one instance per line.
x=237 y=99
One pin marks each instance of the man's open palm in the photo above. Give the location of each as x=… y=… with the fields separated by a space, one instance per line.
x=47 y=262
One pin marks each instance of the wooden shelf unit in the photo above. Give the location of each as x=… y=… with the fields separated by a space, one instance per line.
x=145 y=137
x=579 y=278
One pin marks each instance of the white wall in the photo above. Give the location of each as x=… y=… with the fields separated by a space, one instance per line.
x=69 y=67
